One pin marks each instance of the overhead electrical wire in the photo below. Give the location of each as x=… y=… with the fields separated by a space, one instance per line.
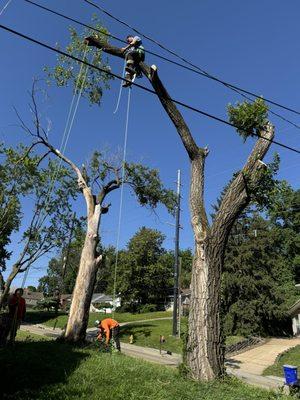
x=185 y=60
x=198 y=70
x=197 y=110
x=64 y=141
x=4 y=8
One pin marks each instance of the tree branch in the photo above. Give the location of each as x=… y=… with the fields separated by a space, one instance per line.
x=170 y=108
x=237 y=195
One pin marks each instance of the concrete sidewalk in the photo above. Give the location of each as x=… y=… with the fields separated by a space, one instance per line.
x=256 y=360
x=145 y=353
x=247 y=366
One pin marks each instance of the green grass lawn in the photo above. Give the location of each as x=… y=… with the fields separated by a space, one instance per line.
x=47 y=370
x=27 y=336
x=49 y=319
x=147 y=334
x=291 y=357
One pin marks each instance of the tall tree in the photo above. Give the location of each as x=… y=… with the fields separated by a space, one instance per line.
x=10 y=210
x=51 y=209
x=284 y=214
x=145 y=271
x=96 y=181
x=258 y=281
x=205 y=353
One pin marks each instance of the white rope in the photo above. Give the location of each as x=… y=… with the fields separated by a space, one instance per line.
x=66 y=136
x=4 y=8
x=63 y=145
x=120 y=90
x=121 y=198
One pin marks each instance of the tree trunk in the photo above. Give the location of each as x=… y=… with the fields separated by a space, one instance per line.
x=7 y=285
x=85 y=282
x=205 y=352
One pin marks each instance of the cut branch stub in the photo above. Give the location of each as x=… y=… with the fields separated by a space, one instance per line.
x=171 y=109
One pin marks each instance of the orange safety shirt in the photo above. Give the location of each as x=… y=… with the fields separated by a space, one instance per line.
x=107 y=324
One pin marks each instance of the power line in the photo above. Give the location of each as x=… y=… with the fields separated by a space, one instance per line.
x=198 y=111
x=188 y=62
x=198 y=70
x=4 y=8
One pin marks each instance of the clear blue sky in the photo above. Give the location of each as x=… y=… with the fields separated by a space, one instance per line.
x=252 y=44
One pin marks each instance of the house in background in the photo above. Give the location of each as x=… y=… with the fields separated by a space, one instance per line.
x=32 y=298
x=184 y=301
x=98 y=299
x=294 y=313
x=101 y=298
x=65 y=301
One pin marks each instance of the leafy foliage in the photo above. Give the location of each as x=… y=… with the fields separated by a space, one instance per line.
x=148 y=187
x=70 y=257
x=16 y=180
x=262 y=266
x=70 y=71
x=250 y=118
x=49 y=303
x=28 y=174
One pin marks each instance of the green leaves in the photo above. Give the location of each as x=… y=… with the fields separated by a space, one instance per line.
x=148 y=187
x=261 y=268
x=69 y=72
x=249 y=118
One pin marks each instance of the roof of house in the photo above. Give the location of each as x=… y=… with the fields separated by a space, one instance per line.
x=295 y=308
x=101 y=298
x=186 y=292
x=28 y=295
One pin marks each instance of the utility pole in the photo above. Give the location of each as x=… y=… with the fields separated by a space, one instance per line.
x=179 y=300
x=176 y=253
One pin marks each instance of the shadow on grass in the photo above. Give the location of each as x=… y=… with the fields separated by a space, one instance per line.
x=28 y=366
x=136 y=329
x=39 y=317
x=232 y=363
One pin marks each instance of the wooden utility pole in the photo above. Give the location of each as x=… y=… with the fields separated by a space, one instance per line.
x=176 y=263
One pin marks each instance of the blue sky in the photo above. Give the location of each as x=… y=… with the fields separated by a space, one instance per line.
x=252 y=44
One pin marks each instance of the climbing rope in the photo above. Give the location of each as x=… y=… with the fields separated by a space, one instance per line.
x=63 y=145
x=4 y=8
x=121 y=198
x=120 y=90
x=67 y=132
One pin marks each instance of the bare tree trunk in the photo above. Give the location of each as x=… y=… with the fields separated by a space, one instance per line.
x=85 y=281
x=7 y=284
x=205 y=355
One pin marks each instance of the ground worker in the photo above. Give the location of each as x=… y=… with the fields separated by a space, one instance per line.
x=134 y=53
x=17 y=310
x=111 y=329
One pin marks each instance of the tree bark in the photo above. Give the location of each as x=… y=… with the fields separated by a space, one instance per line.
x=7 y=285
x=85 y=281
x=205 y=352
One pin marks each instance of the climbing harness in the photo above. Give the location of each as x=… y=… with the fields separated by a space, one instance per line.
x=121 y=198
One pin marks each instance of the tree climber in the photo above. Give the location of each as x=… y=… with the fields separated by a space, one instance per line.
x=134 y=54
